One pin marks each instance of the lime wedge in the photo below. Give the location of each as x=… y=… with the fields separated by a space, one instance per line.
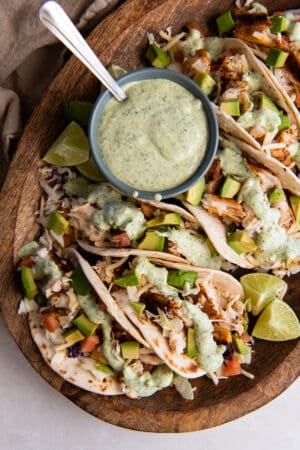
x=90 y=170
x=78 y=111
x=115 y=70
x=70 y=148
x=277 y=322
x=261 y=289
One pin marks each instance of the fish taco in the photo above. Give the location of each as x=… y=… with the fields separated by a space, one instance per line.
x=251 y=105
x=190 y=316
x=248 y=215
x=82 y=334
x=107 y=223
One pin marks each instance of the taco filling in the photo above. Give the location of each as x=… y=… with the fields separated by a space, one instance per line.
x=257 y=216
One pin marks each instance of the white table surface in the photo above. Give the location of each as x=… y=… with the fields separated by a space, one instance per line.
x=33 y=416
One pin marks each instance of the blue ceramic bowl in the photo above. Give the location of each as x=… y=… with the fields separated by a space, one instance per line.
x=148 y=74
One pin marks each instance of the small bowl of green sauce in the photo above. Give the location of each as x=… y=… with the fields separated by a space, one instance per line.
x=160 y=140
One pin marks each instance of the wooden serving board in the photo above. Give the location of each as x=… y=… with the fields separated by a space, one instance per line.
x=121 y=39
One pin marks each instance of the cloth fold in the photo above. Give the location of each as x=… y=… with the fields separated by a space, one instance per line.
x=30 y=57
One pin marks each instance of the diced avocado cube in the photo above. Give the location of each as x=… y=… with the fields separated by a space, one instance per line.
x=191 y=347
x=241 y=242
x=285 y=122
x=295 y=204
x=279 y=24
x=164 y=219
x=130 y=279
x=85 y=325
x=229 y=188
x=73 y=336
x=240 y=346
x=157 y=57
x=78 y=111
x=80 y=283
x=138 y=307
x=28 y=283
x=277 y=195
x=205 y=82
x=225 y=23
x=276 y=57
x=231 y=107
x=178 y=278
x=267 y=103
x=130 y=349
x=58 y=223
x=152 y=241
x=104 y=368
x=195 y=193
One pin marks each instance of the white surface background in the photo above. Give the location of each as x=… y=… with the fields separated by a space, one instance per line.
x=33 y=416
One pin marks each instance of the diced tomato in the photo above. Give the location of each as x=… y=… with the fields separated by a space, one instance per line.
x=121 y=240
x=50 y=321
x=89 y=343
x=246 y=338
x=194 y=26
x=26 y=262
x=298 y=99
x=232 y=367
x=68 y=239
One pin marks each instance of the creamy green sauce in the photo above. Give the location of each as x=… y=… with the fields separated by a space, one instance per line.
x=156 y=138
x=100 y=194
x=232 y=162
x=193 y=43
x=254 y=80
x=294 y=32
x=121 y=215
x=157 y=276
x=148 y=383
x=272 y=239
x=294 y=150
x=110 y=352
x=266 y=118
x=46 y=269
x=194 y=248
x=210 y=353
x=214 y=47
x=91 y=309
x=28 y=249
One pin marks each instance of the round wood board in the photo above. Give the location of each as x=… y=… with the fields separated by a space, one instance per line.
x=121 y=39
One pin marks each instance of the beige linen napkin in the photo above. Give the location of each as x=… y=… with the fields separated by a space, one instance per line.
x=29 y=59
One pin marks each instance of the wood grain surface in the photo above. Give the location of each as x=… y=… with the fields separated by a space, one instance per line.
x=121 y=39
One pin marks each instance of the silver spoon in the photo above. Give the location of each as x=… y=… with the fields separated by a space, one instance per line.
x=56 y=20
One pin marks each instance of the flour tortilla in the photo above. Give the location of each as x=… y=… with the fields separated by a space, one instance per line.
x=289 y=179
x=180 y=363
x=79 y=371
x=217 y=234
x=271 y=88
x=123 y=252
x=112 y=308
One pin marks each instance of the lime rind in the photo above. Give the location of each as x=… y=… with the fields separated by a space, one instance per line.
x=277 y=323
x=90 y=170
x=261 y=289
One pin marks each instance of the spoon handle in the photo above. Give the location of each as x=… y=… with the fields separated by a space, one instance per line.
x=56 y=20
